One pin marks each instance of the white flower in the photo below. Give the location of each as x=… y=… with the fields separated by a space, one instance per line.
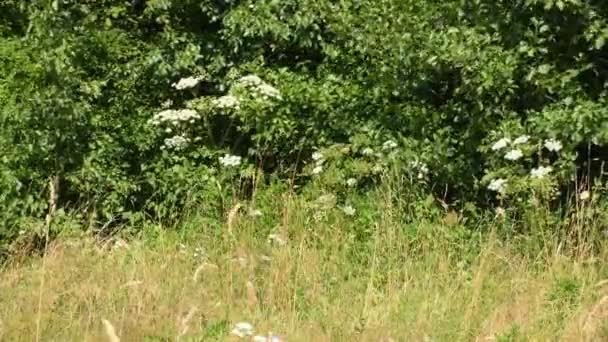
x=185 y=83
x=275 y=238
x=367 y=151
x=175 y=116
x=250 y=81
x=500 y=144
x=424 y=168
x=388 y=145
x=521 y=140
x=177 y=142
x=349 y=210
x=514 y=155
x=269 y=91
x=316 y=156
x=318 y=169
x=242 y=329
x=498 y=185
x=540 y=171
x=230 y=160
x=585 y=195
x=269 y=338
x=227 y=102
x=377 y=169
x=351 y=182
x=500 y=212
x=553 y=145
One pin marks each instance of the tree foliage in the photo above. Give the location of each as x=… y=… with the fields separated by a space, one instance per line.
x=81 y=81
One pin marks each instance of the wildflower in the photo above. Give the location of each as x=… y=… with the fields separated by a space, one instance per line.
x=498 y=185
x=521 y=140
x=367 y=151
x=541 y=171
x=174 y=116
x=230 y=160
x=585 y=195
x=351 y=182
x=242 y=329
x=227 y=102
x=275 y=238
x=317 y=156
x=318 y=169
x=269 y=338
x=553 y=145
x=268 y=91
x=500 y=212
x=514 y=155
x=250 y=81
x=500 y=144
x=185 y=83
x=177 y=142
x=389 y=145
x=377 y=169
x=349 y=210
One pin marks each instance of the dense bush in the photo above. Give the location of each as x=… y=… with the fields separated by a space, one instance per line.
x=138 y=113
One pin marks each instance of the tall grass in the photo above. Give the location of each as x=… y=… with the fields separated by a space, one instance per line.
x=376 y=276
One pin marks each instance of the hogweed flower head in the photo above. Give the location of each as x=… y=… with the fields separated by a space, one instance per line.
x=186 y=83
x=175 y=116
x=242 y=329
x=514 y=155
x=521 y=140
x=177 y=142
x=500 y=144
x=227 y=102
x=230 y=160
x=541 y=171
x=498 y=185
x=553 y=145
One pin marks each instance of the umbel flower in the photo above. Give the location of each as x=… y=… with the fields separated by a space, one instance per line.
x=498 y=185
x=229 y=160
x=500 y=144
x=514 y=155
x=186 y=83
x=175 y=116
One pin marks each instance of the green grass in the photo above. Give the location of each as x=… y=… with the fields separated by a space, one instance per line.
x=332 y=280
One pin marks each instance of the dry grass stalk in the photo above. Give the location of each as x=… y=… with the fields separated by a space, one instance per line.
x=232 y=215
x=184 y=324
x=252 y=297
x=110 y=331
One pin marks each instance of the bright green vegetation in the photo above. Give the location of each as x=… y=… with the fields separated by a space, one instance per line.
x=436 y=169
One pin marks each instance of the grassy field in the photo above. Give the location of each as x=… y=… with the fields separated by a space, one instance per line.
x=316 y=279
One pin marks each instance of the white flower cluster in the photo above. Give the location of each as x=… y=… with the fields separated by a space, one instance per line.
x=422 y=168
x=368 y=151
x=498 y=185
x=500 y=144
x=186 y=83
x=229 y=160
x=319 y=159
x=553 y=145
x=260 y=87
x=245 y=329
x=389 y=145
x=521 y=140
x=227 y=102
x=349 y=210
x=351 y=182
x=541 y=171
x=174 y=116
x=177 y=142
x=514 y=155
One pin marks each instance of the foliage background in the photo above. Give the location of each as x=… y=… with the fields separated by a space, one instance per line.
x=444 y=80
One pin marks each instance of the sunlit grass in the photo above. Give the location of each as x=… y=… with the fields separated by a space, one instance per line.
x=323 y=283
